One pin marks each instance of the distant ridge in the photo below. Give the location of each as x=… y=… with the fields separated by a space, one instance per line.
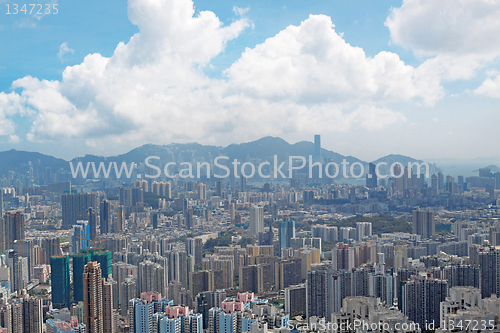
x=264 y=149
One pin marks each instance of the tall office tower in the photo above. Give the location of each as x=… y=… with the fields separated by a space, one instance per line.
x=189 y=218
x=423 y=223
x=371 y=176
x=243 y=183
x=155 y=220
x=218 y=188
x=1 y=202
x=194 y=247
x=342 y=257
x=317 y=148
x=108 y=320
x=151 y=277
x=295 y=300
x=434 y=185
x=488 y=259
x=317 y=293
x=93 y=297
x=120 y=220
x=79 y=262
x=398 y=178
x=363 y=229
x=141 y=316
x=32 y=314
x=14 y=228
x=286 y=232
x=128 y=290
x=421 y=298
x=75 y=207
x=105 y=217
x=60 y=281
x=440 y=181
x=256 y=219
x=92 y=218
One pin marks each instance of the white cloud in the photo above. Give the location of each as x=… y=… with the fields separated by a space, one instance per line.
x=240 y=11
x=461 y=36
x=447 y=27
x=306 y=79
x=63 y=49
x=14 y=139
x=490 y=87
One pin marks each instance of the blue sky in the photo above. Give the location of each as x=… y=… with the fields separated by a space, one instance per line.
x=372 y=77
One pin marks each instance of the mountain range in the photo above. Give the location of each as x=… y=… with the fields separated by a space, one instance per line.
x=261 y=149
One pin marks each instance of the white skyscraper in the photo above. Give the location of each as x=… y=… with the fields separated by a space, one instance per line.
x=256 y=219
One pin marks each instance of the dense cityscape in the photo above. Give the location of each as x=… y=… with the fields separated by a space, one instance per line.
x=235 y=254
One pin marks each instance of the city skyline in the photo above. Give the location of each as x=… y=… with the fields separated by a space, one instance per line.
x=368 y=78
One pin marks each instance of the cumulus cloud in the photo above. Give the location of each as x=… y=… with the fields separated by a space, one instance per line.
x=306 y=79
x=461 y=36
x=490 y=87
x=63 y=49
x=312 y=62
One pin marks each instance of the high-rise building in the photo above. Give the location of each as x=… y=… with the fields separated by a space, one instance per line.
x=151 y=277
x=189 y=218
x=13 y=227
x=251 y=278
x=317 y=293
x=93 y=297
x=32 y=314
x=286 y=232
x=256 y=221
x=371 y=176
x=79 y=262
x=141 y=316
x=128 y=291
x=108 y=319
x=287 y=273
x=295 y=300
x=440 y=181
x=60 y=281
x=105 y=217
x=317 y=148
x=218 y=188
x=92 y=218
x=381 y=286
x=363 y=229
x=342 y=257
x=421 y=298
x=120 y=220
x=1 y=202
x=434 y=185
x=488 y=259
x=75 y=207
x=423 y=222
x=194 y=247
